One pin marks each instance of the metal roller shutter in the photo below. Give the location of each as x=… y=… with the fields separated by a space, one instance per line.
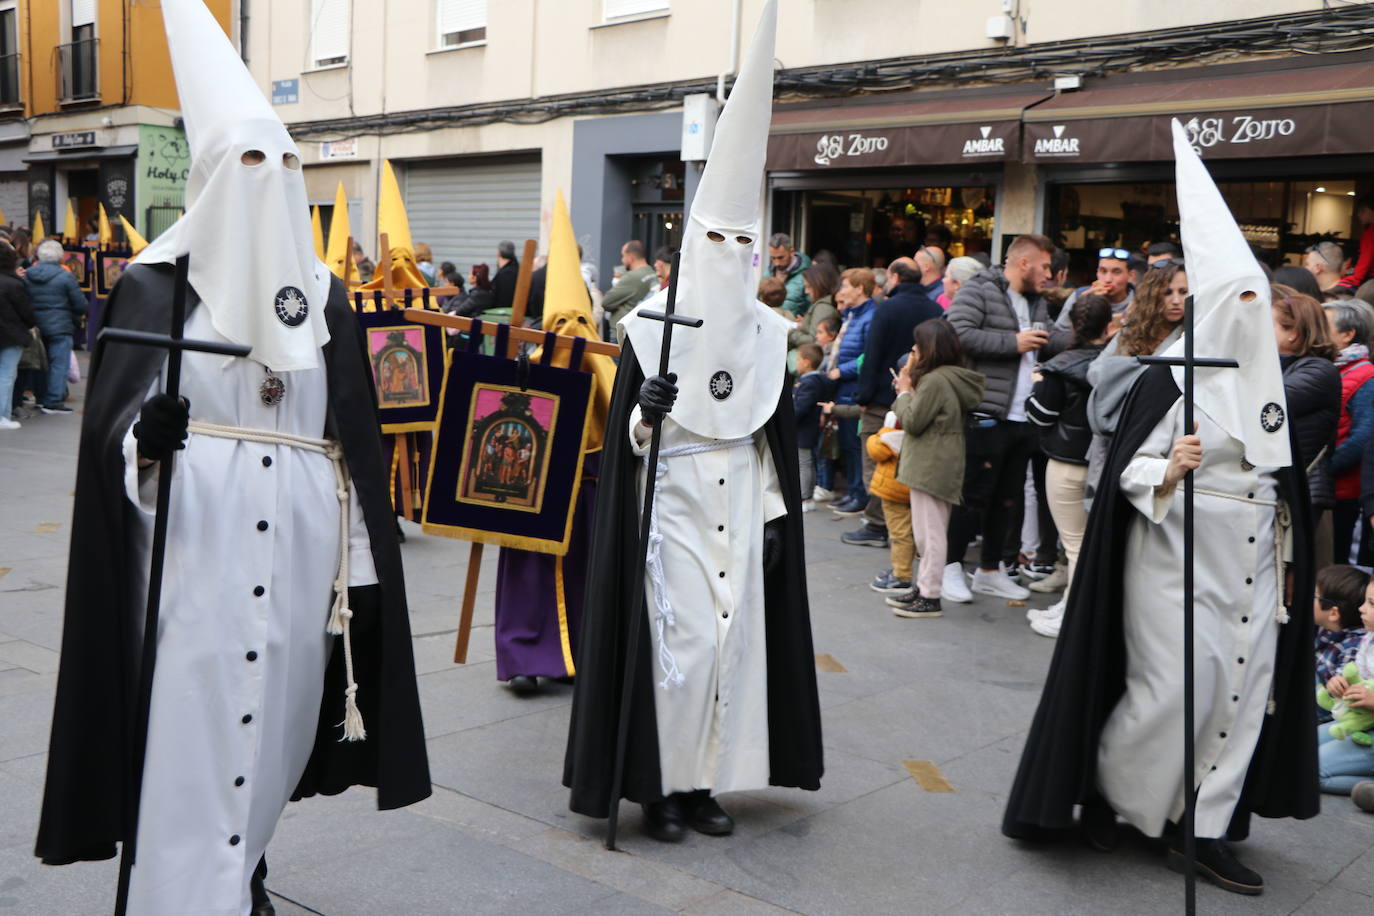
x=462 y=211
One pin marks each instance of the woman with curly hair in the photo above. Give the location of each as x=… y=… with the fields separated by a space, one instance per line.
x=1153 y=322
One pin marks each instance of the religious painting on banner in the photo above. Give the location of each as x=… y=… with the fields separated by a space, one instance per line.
x=76 y=260
x=109 y=267
x=508 y=452
x=407 y=367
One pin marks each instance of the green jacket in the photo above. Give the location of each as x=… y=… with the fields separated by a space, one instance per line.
x=796 y=301
x=933 y=417
x=628 y=291
x=805 y=332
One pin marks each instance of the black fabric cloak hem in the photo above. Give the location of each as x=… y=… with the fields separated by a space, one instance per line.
x=794 y=723
x=1087 y=674
x=89 y=759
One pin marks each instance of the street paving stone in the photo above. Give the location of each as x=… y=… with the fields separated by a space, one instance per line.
x=497 y=837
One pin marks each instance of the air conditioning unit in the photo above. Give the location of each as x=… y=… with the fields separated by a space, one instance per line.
x=1000 y=28
x=699 y=112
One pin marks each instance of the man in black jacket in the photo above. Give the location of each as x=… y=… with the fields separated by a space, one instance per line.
x=889 y=338
x=507 y=271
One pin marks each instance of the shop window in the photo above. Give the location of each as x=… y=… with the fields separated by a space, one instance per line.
x=620 y=9
x=328 y=33
x=9 y=57
x=461 y=22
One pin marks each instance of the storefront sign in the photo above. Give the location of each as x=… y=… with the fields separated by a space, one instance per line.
x=73 y=140
x=339 y=149
x=1312 y=130
x=164 y=163
x=286 y=92
x=936 y=144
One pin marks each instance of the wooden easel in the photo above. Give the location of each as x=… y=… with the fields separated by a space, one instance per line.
x=517 y=335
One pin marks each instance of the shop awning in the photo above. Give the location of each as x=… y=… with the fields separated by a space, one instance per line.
x=949 y=128
x=1314 y=111
x=85 y=152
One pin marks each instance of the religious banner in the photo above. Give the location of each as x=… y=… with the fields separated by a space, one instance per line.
x=509 y=448
x=109 y=267
x=76 y=260
x=408 y=368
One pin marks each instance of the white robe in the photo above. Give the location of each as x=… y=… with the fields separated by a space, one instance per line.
x=711 y=508
x=1236 y=601
x=201 y=830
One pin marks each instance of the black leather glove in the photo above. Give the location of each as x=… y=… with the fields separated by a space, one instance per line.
x=161 y=426
x=772 y=546
x=656 y=397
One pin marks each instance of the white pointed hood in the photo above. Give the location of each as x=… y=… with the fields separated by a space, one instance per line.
x=246 y=226
x=731 y=370
x=1231 y=300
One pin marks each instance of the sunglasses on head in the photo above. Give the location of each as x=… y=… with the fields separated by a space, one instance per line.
x=1120 y=254
x=1167 y=262
x=1327 y=604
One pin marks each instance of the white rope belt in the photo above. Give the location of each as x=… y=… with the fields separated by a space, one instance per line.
x=340 y=614
x=1282 y=522
x=663 y=610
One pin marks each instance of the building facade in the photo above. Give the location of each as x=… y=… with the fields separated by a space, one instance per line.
x=88 y=114
x=990 y=118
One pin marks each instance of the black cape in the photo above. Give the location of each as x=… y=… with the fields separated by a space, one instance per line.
x=89 y=755
x=1087 y=673
x=794 y=718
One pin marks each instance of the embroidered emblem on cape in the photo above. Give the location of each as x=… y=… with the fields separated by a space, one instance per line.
x=291 y=306
x=1271 y=417
x=721 y=385
x=272 y=390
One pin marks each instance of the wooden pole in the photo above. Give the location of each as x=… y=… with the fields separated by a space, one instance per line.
x=460 y=648
x=528 y=335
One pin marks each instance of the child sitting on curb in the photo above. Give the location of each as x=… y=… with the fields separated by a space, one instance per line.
x=1343 y=765
x=884 y=447
x=1336 y=610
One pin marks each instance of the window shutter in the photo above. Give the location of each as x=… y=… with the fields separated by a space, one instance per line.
x=460 y=16
x=328 y=31
x=614 y=9
x=83 y=13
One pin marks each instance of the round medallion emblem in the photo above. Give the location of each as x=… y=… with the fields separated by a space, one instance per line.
x=1271 y=417
x=291 y=306
x=272 y=390
x=721 y=385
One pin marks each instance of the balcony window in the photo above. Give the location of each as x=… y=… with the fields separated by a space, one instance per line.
x=328 y=33
x=461 y=22
x=9 y=60
x=79 y=77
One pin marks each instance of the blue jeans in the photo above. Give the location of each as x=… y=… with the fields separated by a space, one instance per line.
x=851 y=451
x=825 y=471
x=9 y=369
x=1341 y=764
x=59 y=361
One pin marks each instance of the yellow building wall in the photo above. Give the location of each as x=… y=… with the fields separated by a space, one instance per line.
x=136 y=71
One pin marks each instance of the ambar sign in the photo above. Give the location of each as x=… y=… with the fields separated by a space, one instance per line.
x=1058 y=145
x=985 y=145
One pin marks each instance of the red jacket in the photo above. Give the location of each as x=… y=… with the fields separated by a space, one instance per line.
x=1353 y=375
x=1364 y=267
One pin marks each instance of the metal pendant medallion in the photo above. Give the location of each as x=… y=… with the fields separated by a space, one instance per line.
x=272 y=390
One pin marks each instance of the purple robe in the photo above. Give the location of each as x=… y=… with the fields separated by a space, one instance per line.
x=539 y=597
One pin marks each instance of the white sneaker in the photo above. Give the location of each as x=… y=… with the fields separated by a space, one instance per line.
x=954 y=587
x=1045 y=613
x=1053 y=582
x=1048 y=626
x=999 y=585
x=7 y=423
x=822 y=495
x=808 y=505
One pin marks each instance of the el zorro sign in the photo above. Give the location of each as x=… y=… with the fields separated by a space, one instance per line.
x=1310 y=130
x=935 y=144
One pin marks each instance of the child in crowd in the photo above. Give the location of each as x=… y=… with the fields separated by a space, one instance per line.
x=1342 y=765
x=827 y=329
x=1336 y=609
x=883 y=447
x=808 y=392
x=935 y=392
x=772 y=292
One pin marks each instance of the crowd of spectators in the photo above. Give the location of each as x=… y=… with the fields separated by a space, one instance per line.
x=42 y=307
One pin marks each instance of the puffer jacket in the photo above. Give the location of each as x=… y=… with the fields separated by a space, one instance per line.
x=16 y=316
x=1312 y=386
x=853 y=339
x=57 y=299
x=1058 y=406
x=885 y=484
x=987 y=326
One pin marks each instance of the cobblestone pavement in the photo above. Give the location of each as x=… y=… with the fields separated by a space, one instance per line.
x=497 y=837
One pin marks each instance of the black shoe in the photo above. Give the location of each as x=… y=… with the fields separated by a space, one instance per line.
x=865 y=537
x=1034 y=572
x=851 y=507
x=1218 y=864
x=704 y=814
x=886 y=583
x=257 y=888
x=663 y=820
x=1098 y=822
x=921 y=607
x=522 y=685
x=56 y=409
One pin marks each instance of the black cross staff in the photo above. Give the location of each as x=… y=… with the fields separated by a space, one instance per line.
x=1189 y=362
x=175 y=344
x=669 y=319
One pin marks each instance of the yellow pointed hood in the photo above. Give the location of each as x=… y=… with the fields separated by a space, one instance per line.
x=40 y=232
x=136 y=242
x=568 y=311
x=337 y=256
x=395 y=225
x=106 y=234
x=69 y=226
x=317 y=231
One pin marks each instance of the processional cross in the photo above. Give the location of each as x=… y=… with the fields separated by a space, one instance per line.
x=175 y=344
x=1189 y=362
x=669 y=318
